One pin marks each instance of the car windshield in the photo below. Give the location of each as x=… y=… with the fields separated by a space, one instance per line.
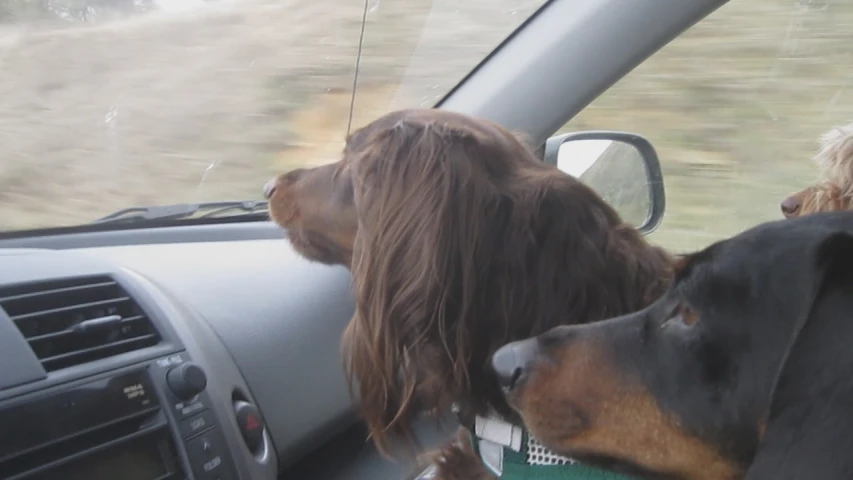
x=110 y=104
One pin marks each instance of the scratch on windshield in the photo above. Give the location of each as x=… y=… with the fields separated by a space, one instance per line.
x=111 y=121
x=790 y=47
x=210 y=168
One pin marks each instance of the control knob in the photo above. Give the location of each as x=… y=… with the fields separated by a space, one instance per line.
x=186 y=380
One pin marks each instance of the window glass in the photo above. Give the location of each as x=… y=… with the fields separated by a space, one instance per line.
x=734 y=107
x=109 y=104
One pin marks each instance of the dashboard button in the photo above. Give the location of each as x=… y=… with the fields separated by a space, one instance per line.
x=251 y=426
x=208 y=456
x=186 y=380
x=187 y=409
x=196 y=424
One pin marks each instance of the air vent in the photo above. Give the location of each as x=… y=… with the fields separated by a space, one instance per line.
x=77 y=320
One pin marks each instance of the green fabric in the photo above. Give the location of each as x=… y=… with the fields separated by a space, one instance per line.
x=515 y=467
x=575 y=471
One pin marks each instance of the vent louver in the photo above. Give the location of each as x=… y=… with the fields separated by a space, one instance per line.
x=72 y=321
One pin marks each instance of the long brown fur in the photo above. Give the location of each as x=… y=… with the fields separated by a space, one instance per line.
x=459 y=240
x=834 y=189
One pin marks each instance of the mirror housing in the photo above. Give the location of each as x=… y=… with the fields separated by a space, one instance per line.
x=627 y=172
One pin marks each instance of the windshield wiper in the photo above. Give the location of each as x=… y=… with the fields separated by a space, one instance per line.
x=184 y=210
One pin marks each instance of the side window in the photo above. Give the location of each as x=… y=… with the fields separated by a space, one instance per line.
x=735 y=107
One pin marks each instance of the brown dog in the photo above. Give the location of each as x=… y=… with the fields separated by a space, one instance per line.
x=459 y=240
x=834 y=190
x=743 y=368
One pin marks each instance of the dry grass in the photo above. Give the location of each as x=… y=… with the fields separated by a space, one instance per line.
x=209 y=105
x=734 y=107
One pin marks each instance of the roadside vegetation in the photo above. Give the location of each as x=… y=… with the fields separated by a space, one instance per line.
x=106 y=104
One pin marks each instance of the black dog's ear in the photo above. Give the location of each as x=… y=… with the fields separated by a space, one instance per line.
x=809 y=428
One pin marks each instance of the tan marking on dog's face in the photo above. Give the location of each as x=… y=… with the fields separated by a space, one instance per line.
x=577 y=403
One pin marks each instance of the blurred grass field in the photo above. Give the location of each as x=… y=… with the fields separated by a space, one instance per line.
x=734 y=108
x=208 y=103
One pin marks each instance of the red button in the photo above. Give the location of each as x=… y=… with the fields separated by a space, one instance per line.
x=252 y=422
x=251 y=426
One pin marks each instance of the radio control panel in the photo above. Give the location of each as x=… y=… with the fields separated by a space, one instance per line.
x=188 y=402
x=156 y=421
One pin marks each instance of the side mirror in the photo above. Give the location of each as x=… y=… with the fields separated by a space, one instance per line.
x=623 y=168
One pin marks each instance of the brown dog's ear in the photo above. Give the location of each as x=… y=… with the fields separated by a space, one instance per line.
x=809 y=427
x=427 y=216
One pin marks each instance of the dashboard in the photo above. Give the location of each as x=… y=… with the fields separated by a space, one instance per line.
x=213 y=355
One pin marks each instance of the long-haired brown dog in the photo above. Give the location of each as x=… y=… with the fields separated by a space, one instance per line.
x=459 y=240
x=834 y=189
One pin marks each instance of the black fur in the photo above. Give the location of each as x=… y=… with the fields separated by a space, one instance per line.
x=765 y=374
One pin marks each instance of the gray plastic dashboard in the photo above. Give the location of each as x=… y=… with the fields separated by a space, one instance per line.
x=279 y=317
x=256 y=315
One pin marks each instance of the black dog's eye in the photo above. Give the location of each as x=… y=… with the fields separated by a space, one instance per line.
x=681 y=315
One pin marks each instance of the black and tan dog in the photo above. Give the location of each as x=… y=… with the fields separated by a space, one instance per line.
x=743 y=369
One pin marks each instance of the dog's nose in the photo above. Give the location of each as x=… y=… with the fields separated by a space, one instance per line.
x=269 y=188
x=790 y=206
x=512 y=361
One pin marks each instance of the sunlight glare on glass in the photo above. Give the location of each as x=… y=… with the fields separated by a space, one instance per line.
x=576 y=157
